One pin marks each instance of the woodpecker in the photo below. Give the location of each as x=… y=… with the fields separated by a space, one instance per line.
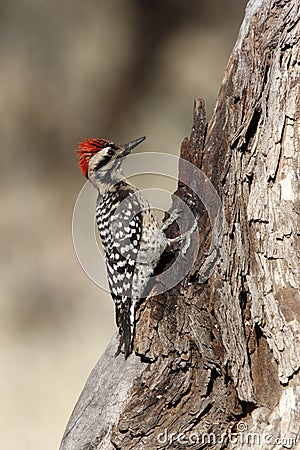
x=131 y=237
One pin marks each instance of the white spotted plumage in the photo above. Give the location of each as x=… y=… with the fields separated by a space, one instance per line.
x=131 y=252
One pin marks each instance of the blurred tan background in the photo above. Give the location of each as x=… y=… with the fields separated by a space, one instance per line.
x=69 y=70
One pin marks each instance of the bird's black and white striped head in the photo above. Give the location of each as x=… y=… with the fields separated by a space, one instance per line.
x=100 y=158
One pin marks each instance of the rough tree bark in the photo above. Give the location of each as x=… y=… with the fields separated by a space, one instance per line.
x=223 y=356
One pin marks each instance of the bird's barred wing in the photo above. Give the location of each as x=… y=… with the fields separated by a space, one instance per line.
x=126 y=228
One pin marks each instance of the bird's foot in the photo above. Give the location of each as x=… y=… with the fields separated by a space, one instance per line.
x=175 y=214
x=184 y=239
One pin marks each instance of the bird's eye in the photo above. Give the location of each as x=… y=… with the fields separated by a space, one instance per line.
x=111 y=152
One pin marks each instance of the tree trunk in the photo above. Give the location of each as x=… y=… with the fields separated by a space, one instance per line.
x=217 y=360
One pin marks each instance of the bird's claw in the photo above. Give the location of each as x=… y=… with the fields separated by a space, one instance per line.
x=184 y=239
x=175 y=214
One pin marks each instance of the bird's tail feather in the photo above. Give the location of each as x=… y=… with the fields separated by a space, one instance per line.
x=126 y=327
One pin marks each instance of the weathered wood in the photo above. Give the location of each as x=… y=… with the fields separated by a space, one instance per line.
x=98 y=407
x=211 y=354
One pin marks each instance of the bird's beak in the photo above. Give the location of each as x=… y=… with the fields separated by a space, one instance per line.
x=130 y=145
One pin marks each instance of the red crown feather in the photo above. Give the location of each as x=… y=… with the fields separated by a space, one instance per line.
x=88 y=148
